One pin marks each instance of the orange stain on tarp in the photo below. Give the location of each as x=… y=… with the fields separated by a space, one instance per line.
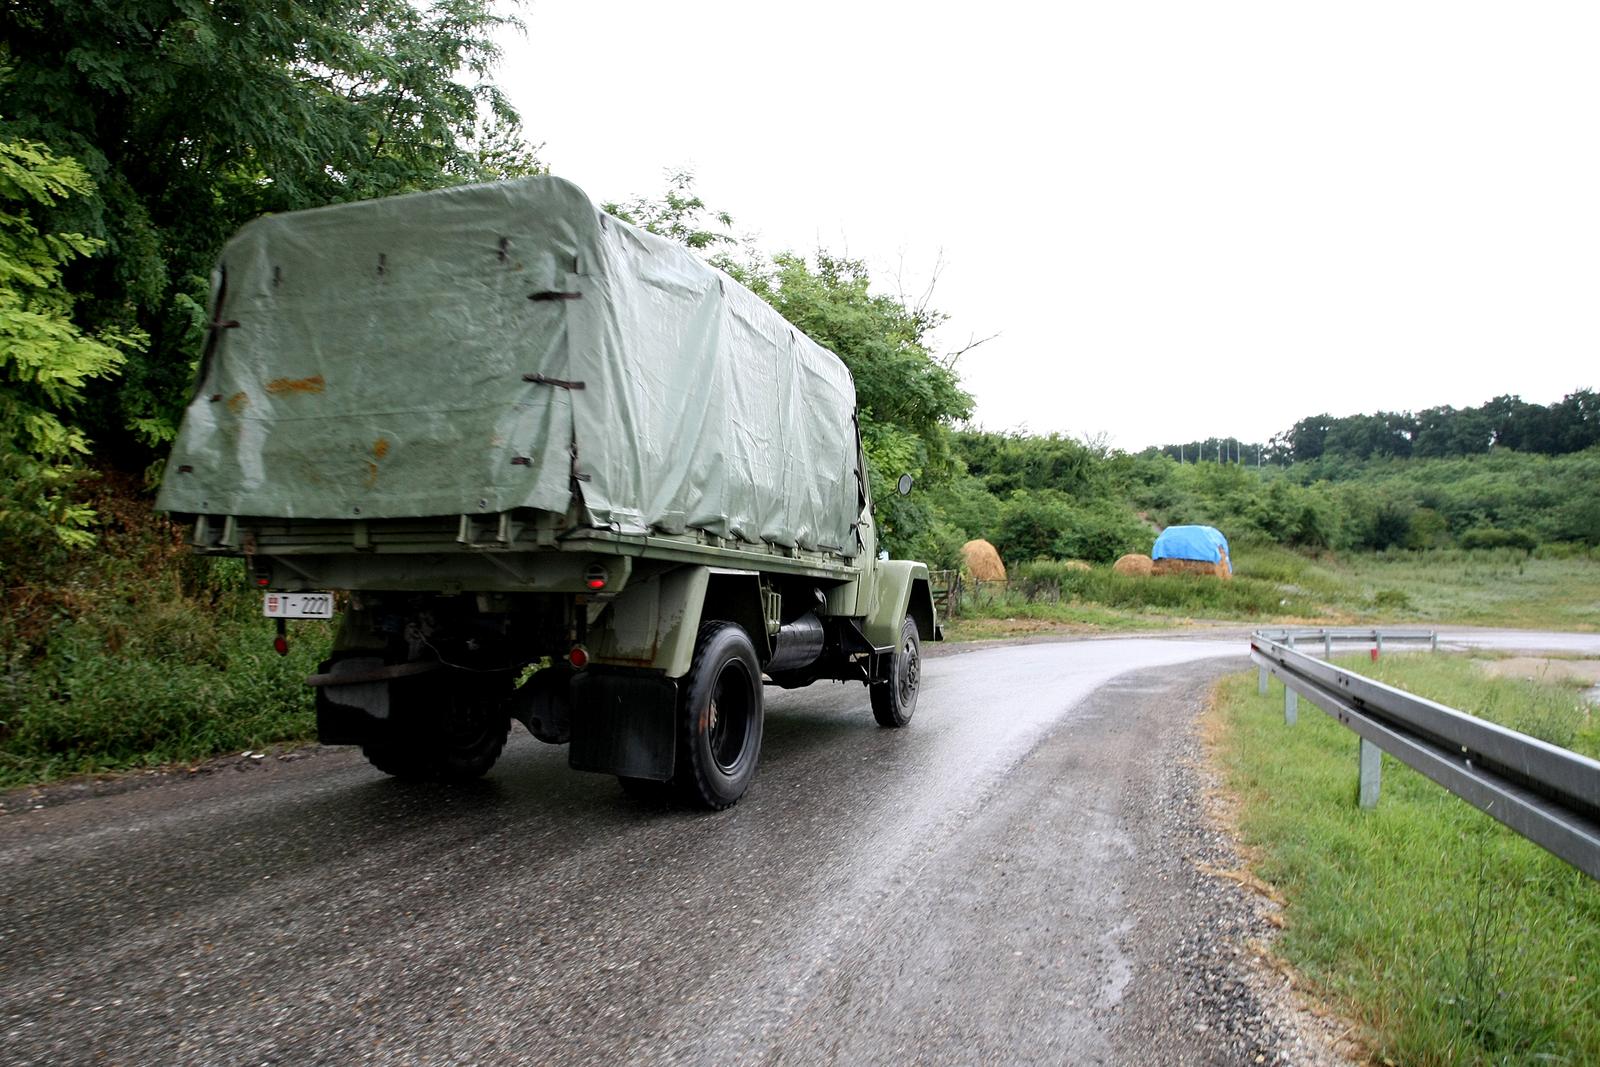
x=380 y=448
x=238 y=402
x=279 y=386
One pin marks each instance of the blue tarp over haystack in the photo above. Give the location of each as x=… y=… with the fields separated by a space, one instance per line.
x=1203 y=543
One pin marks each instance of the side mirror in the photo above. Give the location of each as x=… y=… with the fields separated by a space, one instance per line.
x=905 y=485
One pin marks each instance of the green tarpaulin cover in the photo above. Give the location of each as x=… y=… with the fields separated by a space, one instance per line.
x=420 y=356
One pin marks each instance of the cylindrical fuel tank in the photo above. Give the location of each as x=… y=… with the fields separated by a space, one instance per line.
x=797 y=645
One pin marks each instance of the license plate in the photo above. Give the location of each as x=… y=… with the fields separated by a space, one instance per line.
x=298 y=606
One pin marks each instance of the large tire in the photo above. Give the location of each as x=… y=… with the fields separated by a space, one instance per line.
x=443 y=728
x=894 y=700
x=719 y=719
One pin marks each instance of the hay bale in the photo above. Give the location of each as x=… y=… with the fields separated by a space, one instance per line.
x=1133 y=565
x=1193 y=566
x=982 y=562
x=1076 y=565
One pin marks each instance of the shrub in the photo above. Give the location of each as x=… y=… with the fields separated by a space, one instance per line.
x=1493 y=537
x=139 y=653
x=1046 y=524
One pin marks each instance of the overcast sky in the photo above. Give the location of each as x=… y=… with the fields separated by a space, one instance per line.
x=1182 y=219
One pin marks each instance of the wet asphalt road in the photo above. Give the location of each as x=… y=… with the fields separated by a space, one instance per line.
x=992 y=883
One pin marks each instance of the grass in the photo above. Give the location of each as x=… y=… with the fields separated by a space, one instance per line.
x=138 y=655
x=1490 y=587
x=175 y=686
x=1446 y=937
x=1495 y=587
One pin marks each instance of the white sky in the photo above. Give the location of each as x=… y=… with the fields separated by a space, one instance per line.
x=1183 y=219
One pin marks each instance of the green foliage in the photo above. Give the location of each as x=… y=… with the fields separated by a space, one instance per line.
x=1446 y=937
x=139 y=653
x=1506 y=422
x=1048 y=523
x=174 y=681
x=1192 y=595
x=907 y=397
x=1008 y=462
x=1491 y=537
x=680 y=215
x=192 y=118
x=45 y=359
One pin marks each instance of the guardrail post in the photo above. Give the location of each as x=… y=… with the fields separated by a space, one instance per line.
x=1261 y=683
x=1371 y=773
x=1327 y=645
x=1433 y=638
x=1378 y=641
x=1291 y=699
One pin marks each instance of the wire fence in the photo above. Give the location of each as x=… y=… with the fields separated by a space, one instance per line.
x=953 y=592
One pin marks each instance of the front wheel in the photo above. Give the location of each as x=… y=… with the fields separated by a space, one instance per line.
x=720 y=719
x=894 y=700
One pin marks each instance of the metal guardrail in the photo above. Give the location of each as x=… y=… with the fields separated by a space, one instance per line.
x=1545 y=793
x=1327 y=636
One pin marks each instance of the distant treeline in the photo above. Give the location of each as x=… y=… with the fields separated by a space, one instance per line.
x=1571 y=425
x=1054 y=497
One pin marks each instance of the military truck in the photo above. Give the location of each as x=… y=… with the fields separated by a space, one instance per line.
x=550 y=467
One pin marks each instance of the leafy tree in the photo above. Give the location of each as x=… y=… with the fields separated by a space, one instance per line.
x=907 y=398
x=1048 y=524
x=1011 y=461
x=1307 y=438
x=1446 y=431
x=45 y=360
x=192 y=118
x=680 y=215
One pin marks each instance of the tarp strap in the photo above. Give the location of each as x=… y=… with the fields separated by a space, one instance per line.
x=559 y=383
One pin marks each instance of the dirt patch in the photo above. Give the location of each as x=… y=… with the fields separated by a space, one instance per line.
x=1577 y=672
x=115 y=783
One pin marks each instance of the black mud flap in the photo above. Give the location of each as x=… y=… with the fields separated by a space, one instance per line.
x=341 y=724
x=351 y=714
x=624 y=723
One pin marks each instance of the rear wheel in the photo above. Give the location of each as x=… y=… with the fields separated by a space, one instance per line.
x=719 y=719
x=442 y=728
x=894 y=700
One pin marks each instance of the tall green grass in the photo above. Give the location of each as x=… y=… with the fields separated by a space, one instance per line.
x=1445 y=936
x=1185 y=594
